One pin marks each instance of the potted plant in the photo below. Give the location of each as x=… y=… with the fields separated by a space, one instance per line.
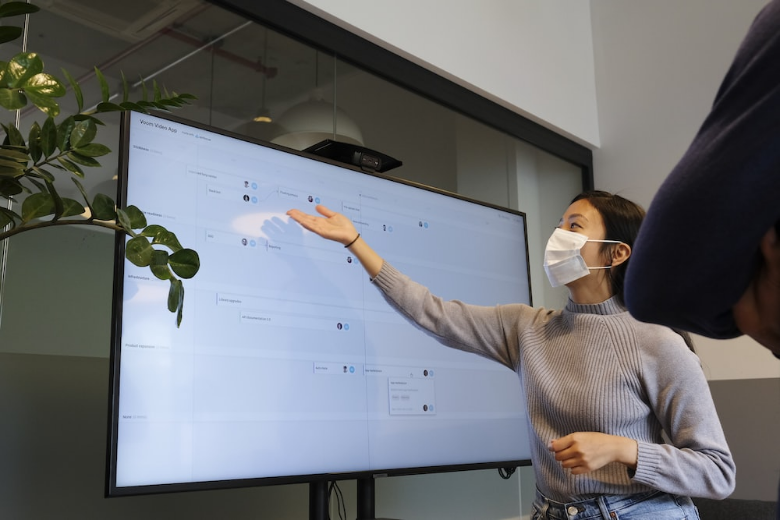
x=29 y=164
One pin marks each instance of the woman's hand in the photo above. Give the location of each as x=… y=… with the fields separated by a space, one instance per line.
x=333 y=225
x=339 y=228
x=757 y=313
x=584 y=452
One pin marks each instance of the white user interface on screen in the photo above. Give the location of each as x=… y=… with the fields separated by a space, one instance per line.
x=288 y=361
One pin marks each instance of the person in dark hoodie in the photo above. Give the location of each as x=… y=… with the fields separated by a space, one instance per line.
x=707 y=259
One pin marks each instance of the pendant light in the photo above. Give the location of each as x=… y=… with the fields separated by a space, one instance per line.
x=315 y=120
x=263 y=115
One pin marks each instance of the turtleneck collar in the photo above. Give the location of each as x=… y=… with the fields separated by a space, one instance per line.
x=611 y=306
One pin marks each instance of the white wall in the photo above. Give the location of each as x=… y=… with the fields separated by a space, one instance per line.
x=658 y=66
x=532 y=57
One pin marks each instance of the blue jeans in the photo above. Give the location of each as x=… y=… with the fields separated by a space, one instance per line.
x=646 y=505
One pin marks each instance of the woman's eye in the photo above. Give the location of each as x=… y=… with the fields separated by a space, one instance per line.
x=572 y=225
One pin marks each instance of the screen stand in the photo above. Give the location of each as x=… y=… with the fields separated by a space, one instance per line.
x=365 y=498
x=318 y=500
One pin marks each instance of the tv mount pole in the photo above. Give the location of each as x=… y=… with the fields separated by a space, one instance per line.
x=318 y=499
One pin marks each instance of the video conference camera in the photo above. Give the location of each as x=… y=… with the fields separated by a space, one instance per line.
x=367 y=159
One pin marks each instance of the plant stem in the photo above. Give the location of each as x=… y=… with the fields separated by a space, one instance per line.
x=46 y=224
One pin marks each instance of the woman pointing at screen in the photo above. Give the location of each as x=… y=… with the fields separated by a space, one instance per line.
x=601 y=387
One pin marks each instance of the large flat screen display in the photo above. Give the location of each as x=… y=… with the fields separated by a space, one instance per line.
x=289 y=366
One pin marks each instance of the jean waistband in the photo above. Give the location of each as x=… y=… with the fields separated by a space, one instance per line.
x=612 y=502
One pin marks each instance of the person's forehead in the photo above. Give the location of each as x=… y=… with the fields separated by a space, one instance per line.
x=582 y=209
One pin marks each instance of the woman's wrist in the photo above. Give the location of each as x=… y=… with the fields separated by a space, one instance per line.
x=353 y=241
x=628 y=452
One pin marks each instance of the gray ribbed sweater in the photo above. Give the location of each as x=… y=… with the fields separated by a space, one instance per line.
x=591 y=368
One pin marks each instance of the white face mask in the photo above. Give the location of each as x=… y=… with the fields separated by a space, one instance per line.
x=563 y=261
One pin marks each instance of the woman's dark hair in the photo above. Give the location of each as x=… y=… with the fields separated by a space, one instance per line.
x=622 y=219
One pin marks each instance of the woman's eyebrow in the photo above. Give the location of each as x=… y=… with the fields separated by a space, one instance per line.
x=577 y=216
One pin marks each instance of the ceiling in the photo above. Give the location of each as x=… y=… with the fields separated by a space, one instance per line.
x=234 y=67
x=217 y=55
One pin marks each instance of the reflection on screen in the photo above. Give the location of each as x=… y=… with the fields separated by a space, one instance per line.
x=288 y=361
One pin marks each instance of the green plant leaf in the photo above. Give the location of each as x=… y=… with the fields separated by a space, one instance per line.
x=9 y=34
x=37 y=205
x=58 y=206
x=130 y=105
x=180 y=311
x=21 y=68
x=125 y=88
x=13 y=136
x=63 y=132
x=8 y=171
x=10 y=187
x=34 y=142
x=49 y=137
x=42 y=173
x=46 y=105
x=14 y=154
x=160 y=235
x=3 y=65
x=144 y=91
x=124 y=221
x=136 y=216
x=10 y=163
x=103 y=208
x=12 y=99
x=81 y=189
x=9 y=217
x=159 y=265
x=166 y=238
x=92 y=150
x=71 y=167
x=5 y=220
x=44 y=85
x=185 y=263
x=17 y=8
x=152 y=230
x=84 y=195
x=175 y=295
x=82 y=117
x=40 y=186
x=104 y=90
x=156 y=90
x=76 y=90
x=139 y=251
x=83 y=160
x=71 y=207
x=83 y=133
x=107 y=107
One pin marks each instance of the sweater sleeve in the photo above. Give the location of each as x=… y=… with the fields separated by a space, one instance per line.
x=698 y=247
x=697 y=462
x=489 y=331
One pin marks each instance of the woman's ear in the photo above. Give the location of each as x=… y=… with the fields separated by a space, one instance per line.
x=620 y=253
